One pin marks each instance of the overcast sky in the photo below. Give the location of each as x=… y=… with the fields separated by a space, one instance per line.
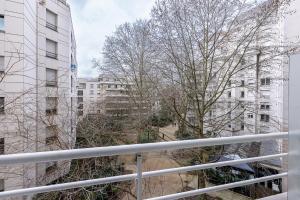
x=94 y=19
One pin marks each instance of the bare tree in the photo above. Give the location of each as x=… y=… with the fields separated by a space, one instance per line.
x=204 y=46
x=127 y=55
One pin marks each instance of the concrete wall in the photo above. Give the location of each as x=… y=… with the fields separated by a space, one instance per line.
x=24 y=124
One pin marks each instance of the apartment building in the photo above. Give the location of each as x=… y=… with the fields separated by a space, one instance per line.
x=38 y=73
x=106 y=94
x=255 y=101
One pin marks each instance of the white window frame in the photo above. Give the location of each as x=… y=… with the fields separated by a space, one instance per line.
x=51 y=109
x=51 y=20
x=51 y=79
x=51 y=52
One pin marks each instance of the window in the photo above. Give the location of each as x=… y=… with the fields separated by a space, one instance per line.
x=2 y=101
x=116 y=86
x=250 y=115
x=98 y=86
x=51 y=105
x=242 y=94
x=1 y=23
x=51 y=134
x=108 y=86
x=265 y=81
x=51 y=20
x=229 y=94
x=2 y=150
x=51 y=77
x=92 y=86
x=91 y=92
x=2 y=185
x=51 y=166
x=265 y=107
x=80 y=92
x=2 y=64
x=242 y=83
x=264 y=118
x=82 y=85
x=242 y=126
x=51 y=49
x=79 y=99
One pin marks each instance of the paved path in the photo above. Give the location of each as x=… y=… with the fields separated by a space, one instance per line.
x=169 y=132
x=173 y=183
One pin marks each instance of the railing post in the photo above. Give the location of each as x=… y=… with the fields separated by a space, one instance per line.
x=294 y=129
x=139 y=186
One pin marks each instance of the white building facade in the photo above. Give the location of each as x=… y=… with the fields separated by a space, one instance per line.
x=38 y=74
x=106 y=94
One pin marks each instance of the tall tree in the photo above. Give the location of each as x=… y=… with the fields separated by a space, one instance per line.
x=203 y=47
x=127 y=55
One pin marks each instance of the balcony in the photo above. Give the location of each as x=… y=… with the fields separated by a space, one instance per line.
x=139 y=149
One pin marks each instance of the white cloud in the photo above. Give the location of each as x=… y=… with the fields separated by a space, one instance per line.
x=94 y=19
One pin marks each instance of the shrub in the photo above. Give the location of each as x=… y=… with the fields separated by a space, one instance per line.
x=148 y=135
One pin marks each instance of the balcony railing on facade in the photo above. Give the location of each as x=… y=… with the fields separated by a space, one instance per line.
x=51 y=55
x=51 y=26
x=139 y=149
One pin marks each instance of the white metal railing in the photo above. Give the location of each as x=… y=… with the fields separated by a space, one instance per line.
x=138 y=149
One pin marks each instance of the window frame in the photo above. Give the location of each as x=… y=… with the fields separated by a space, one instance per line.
x=53 y=55
x=265 y=81
x=51 y=138
x=2 y=146
x=52 y=111
x=2 y=18
x=2 y=105
x=52 y=83
x=242 y=94
x=49 y=24
x=2 y=69
x=265 y=118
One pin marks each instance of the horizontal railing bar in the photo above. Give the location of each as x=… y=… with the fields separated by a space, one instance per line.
x=211 y=165
x=49 y=156
x=114 y=179
x=66 y=186
x=218 y=188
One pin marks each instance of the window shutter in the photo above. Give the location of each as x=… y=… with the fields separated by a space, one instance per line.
x=51 y=46
x=51 y=75
x=51 y=17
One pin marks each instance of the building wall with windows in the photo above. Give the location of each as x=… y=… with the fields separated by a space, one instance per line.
x=38 y=77
x=105 y=95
